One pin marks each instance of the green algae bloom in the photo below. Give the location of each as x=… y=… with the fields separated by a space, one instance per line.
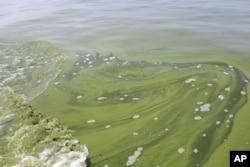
x=179 y=113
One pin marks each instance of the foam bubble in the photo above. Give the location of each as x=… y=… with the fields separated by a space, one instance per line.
x=91 y=121
x=221 y=97
x=195 y=150
x=79 y=97
x=135 y=98
x=136 y=116
x=218 y=122
x=101 y=98
x=181 y=150
x=190 y=80
x=243 y=93
x=133 y=158
x=205 y=107
x=135 y=133
x=210 y=84
x=108 y=126
x=197 y=118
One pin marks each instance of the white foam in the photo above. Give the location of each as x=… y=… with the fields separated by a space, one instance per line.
x=135 y=98
x=205 y=107
x=195 y=150
x=79 y=97
x=210 y=84
x=197 y=118
x=136 y=116
x=156 y=118
x=181 y=150
x=101 y=98
x=91 y=121
x=135 y=133
x=108 y=126
x=133 y=158
x=190 y=80
x=221 y=97
x=122 y=98
x=54 y=158
x=243 y=93
x=217 y=122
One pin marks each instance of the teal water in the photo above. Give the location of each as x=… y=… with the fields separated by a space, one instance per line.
x=212 y=35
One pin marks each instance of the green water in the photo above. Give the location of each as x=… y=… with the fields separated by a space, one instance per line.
x=116 y=106
x=139 y=105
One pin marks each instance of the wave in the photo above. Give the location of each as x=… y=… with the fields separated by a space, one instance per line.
x=28 y=138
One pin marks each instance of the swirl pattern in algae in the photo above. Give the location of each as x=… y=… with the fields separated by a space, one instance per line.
x=176 y=114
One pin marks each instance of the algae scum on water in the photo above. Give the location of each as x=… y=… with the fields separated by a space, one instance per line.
x=128 y=113
x=147 y=114
x=28 y=138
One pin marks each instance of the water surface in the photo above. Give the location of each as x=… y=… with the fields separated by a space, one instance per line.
x=139 y=75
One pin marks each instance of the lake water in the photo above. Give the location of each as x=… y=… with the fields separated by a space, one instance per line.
x=164 y=80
